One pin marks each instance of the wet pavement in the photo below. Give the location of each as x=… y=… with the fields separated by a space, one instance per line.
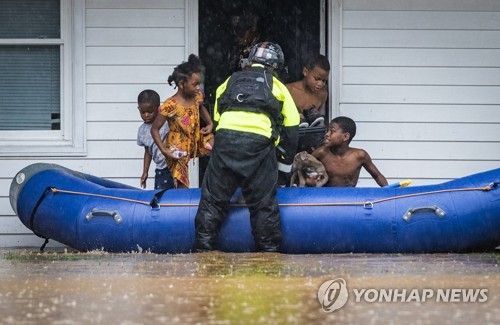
x=66 y=287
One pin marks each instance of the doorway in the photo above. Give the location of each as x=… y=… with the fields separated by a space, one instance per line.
x=228 y=29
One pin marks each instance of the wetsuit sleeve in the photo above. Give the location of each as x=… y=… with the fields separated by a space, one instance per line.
x=289 y=135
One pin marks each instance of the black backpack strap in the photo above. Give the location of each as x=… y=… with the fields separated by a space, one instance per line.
x=33 y=214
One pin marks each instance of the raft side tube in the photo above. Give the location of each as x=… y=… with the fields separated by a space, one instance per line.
x=25 y=174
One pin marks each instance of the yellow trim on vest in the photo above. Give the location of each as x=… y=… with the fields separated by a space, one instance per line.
x=246 y=122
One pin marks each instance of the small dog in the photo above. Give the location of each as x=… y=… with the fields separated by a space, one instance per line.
x=309 y=171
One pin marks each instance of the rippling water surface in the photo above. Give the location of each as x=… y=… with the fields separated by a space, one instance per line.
x=65 y=287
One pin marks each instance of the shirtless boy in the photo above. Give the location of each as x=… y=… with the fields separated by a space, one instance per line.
x=343 y=163
x=310 y=93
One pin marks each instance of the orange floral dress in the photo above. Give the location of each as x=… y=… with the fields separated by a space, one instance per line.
x=184 y=134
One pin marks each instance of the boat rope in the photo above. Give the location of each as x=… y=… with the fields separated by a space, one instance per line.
x=33 y=214
x=371 y=203
x=368 y=204
x=154 y=201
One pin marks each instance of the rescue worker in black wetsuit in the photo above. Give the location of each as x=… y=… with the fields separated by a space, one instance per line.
x=257 y=135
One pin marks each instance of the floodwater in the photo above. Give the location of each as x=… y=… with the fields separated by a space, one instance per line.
x=65 y=287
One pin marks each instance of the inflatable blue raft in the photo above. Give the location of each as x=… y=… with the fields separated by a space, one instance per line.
x=91 y=213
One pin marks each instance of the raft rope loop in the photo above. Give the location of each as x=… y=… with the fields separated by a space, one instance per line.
x=367 y=204
x=33 y=214
x=154 y=201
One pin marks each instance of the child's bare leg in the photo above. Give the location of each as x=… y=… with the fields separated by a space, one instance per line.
x=179 y=184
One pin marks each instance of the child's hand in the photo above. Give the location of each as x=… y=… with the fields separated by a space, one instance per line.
x=207 y=129
x=169 y=152
x=144 y=177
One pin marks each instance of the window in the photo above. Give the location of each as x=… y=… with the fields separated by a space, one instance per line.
x=41 y=78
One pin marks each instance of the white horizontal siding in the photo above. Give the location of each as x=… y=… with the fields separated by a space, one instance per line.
x=157 y=18
x=436 y=76
x=435 y=170
x=12 y=225
x=428 y=94
x=457 y=39
x=418 y=57
x=26 y=240
x=118 y=131
x=120 y=149
x=123 y=93
x=422 y=81
x=150 y=74
x=133 y=37
x=5 y=187
x=431 y=150
x=422 y=5
x=424 y=113
x=98 y=112
x=107 y=168
x=423 y=20
x=137 y=56
x=134 y=4
x=438 y=132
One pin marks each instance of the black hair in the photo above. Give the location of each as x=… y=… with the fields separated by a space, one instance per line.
x=318 y=60
x=149 y=96
x=346 y=124
x=184 y=70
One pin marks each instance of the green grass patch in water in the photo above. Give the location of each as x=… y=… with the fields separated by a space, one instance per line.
x=52 y=256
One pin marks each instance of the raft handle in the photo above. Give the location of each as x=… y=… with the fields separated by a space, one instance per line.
x=368 y=205
x=106 y=213
x=432 y=208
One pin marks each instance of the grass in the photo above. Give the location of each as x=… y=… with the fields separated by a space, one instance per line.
x=53 y=256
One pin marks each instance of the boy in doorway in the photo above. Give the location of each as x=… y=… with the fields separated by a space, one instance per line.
x=310 y=93
x=343 y=163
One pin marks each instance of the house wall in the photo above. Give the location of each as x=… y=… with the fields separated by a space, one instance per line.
x=422 y=81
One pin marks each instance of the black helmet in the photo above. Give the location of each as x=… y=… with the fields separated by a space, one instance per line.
x=269 y=54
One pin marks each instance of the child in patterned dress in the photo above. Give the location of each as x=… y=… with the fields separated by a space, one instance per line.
x=182 y=111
